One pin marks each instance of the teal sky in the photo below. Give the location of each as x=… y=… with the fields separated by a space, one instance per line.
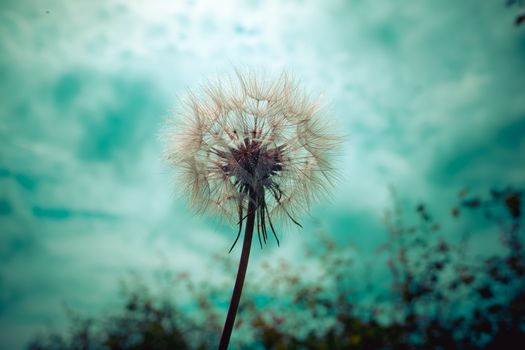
x=430 y=94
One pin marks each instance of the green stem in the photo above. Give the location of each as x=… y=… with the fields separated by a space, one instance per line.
x=241 y=273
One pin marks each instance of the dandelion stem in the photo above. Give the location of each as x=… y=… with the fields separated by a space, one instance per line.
x=241 y=273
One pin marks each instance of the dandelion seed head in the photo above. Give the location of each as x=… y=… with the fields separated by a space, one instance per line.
x=251 y=138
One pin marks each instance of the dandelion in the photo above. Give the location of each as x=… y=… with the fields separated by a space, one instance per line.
x=254 y=151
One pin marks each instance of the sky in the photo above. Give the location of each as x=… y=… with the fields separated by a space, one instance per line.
x=428 y=93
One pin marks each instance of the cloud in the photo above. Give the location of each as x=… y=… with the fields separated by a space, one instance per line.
x=430 y=95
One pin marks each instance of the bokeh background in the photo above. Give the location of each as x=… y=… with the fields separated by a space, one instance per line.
x=430 y=95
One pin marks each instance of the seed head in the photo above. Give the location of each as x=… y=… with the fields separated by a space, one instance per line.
x=246 y=139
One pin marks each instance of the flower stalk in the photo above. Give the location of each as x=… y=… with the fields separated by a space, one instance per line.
x=241 y=274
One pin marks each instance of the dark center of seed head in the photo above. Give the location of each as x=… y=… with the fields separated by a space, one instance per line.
x=252 y=161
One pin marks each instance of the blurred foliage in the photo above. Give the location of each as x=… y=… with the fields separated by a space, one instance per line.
x=520 y=19
x=144 y=321
x=443 y=294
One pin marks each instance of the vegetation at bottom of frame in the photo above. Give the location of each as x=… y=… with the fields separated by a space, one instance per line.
x=441 y=292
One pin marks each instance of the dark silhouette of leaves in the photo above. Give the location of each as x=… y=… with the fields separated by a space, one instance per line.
x=439 y=299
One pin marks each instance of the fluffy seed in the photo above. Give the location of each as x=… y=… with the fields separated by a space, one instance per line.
x=247 y=138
